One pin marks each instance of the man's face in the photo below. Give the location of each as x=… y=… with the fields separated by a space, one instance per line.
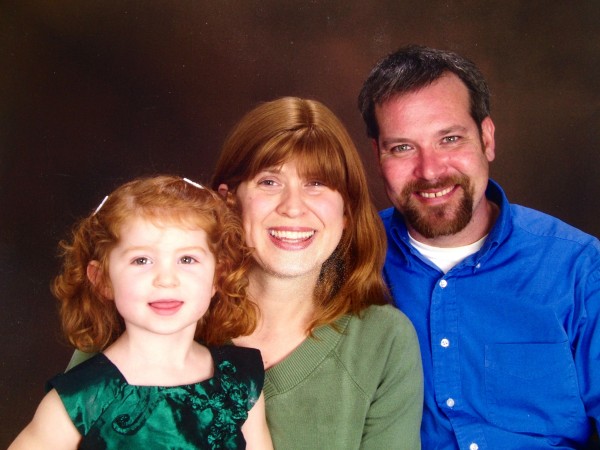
x=434 y=160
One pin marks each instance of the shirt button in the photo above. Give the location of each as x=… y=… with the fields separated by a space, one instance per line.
x=473 y=446
x=443 y=284
x=445 y=343
x=450 y=402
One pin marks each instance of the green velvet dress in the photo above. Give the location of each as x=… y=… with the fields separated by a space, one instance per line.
x=112 y=414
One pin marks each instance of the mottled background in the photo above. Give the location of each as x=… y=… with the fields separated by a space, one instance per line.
x=93 y=93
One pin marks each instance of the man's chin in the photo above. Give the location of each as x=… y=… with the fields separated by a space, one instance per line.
x=434 y=227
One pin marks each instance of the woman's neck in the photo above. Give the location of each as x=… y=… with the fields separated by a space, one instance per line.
x=286 y=309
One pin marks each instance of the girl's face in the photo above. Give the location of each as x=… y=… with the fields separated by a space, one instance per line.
x=162 y=277
x=293 y=223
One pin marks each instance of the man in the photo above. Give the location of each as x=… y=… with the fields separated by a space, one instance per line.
x=505 y=299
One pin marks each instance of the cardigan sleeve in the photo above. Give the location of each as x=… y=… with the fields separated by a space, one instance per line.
x=394 y=417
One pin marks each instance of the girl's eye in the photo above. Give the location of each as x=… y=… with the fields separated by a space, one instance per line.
x=141 y=261
x=188 y=260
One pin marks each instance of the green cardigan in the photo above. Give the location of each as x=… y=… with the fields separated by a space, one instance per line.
x=358 y=387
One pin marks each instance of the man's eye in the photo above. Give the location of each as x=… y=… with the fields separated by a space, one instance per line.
x=400 y=148
x=267 y=182
x=141 y=261
x=188 y=260
x=451 y=139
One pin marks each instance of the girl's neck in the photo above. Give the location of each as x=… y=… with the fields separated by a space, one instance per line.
x=157 y=360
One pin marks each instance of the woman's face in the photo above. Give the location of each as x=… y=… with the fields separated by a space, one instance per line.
x=293 y=223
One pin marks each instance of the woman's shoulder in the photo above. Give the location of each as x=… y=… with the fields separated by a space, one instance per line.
x=386 y=316
x=380 y=327
x=378 y=341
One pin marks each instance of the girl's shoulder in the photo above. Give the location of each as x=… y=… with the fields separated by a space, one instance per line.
x=95 y=371
x=241 y=366
x=242 y=356
x=242 y=361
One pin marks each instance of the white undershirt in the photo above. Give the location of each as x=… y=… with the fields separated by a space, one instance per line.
x=446 y=258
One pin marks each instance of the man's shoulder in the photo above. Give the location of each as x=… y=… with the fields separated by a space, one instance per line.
x=386 y=213
x=543 y=225
x=388 y=217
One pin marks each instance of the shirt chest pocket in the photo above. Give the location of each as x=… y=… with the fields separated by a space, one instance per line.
x=532 y=387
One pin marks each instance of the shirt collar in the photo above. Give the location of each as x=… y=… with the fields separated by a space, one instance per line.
x=499 y=232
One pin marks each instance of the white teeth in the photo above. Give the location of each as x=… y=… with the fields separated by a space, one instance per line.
x=435 y=194
x=291 y=235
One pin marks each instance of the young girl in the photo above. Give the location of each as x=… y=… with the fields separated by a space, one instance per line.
x=159 y=263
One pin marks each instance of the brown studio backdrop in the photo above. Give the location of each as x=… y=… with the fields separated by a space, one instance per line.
x=95 y=93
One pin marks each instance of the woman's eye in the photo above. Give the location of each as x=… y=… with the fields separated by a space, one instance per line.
x=267 y=182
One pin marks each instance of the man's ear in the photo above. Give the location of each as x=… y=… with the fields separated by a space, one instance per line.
x=487 y=138
x=95 y=274
x=223 y=189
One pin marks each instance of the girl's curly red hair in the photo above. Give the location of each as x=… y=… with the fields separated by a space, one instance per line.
x=90 y=319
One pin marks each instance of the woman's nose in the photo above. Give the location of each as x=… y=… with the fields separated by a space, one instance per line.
x=291 y=202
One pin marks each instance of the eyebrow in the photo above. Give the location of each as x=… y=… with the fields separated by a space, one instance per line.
x=451 y=129
x=272 y=169
x=144 y=248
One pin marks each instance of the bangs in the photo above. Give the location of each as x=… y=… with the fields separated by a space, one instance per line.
x=178 y=217
x=317 y=156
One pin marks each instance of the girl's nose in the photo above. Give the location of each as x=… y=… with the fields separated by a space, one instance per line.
x=166 y=277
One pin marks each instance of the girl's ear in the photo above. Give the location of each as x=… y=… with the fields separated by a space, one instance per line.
x=94 y=273
x=223 y=189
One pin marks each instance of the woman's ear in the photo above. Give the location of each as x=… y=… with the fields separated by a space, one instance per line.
x=223 y=190
x=95 y=273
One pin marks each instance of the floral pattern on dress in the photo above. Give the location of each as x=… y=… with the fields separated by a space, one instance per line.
x=110 y=413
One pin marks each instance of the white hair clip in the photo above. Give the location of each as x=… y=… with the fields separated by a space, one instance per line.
x=100 y=205
x=193 y=183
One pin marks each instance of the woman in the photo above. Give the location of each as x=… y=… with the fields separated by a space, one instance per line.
x=343 y=368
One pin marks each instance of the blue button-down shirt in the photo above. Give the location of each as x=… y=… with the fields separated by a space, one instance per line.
x=510 y=337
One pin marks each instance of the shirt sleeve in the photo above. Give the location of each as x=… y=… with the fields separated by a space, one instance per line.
x=587 y=343
x=394 y=417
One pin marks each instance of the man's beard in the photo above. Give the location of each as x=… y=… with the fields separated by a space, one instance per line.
x=442 y=220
